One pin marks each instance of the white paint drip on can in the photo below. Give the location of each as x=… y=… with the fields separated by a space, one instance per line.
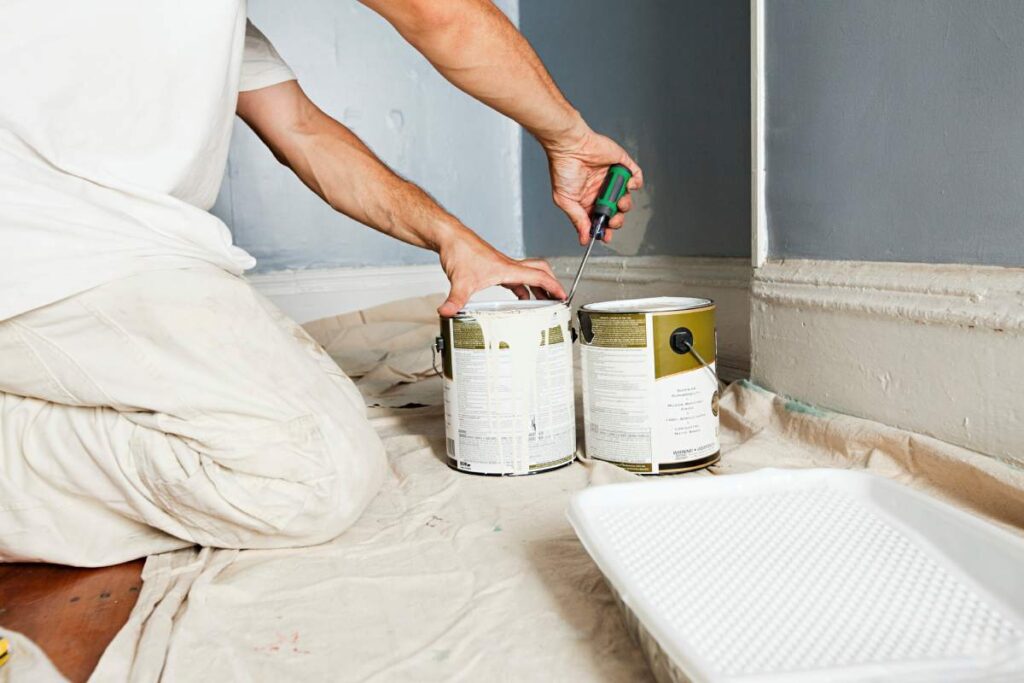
x=509 y=388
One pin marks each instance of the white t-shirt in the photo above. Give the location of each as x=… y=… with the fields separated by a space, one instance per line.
x=115 y=119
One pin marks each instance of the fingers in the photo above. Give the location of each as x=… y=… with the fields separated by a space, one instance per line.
x=637 y=181
x=577 y=214
x=520 y=291
x=539 y=263
x=536 y=278
x=457 y=298
x=524 y=293
x=539 y=293
x=619 y=219
x=522 y=278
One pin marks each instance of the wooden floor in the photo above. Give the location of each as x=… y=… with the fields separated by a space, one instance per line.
x=72 y=614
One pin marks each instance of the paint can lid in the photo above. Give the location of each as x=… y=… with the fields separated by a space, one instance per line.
x=657 y=304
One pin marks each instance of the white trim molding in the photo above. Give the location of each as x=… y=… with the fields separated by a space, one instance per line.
x=758 y=198
x=310 y=294
x=936 y=349
x=317 y=293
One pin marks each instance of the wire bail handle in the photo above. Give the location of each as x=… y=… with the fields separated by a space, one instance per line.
x=436 y=348
x=681 y=341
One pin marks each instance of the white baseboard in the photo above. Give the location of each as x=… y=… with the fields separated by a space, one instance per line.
x=307 y=295
x=310 y=294
x=936 y=349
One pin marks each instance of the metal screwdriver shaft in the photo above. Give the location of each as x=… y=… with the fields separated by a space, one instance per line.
x=606 y=206
x=579 y=271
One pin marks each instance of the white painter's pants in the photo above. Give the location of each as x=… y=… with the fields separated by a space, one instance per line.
x=171 y=408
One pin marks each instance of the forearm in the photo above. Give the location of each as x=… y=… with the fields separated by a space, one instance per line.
x=336 y=165
x=474 y=45
x=341 y=169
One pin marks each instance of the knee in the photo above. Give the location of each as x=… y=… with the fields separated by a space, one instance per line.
x=287 y=485
x=331 y=478
x=337 y=501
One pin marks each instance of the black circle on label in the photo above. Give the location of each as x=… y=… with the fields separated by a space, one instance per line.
x=681 y=340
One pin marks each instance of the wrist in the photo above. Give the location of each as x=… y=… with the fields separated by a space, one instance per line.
x=448 y=233
x=568 y=135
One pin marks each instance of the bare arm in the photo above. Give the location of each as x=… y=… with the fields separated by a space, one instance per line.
x=335 y=164
x=474 y=45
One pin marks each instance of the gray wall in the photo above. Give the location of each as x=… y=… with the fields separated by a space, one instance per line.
x=670 y=79
x=896 y=130
x=358 y=69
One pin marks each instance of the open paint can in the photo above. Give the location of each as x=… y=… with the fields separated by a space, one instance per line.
x=650 y=392
x=508 y=387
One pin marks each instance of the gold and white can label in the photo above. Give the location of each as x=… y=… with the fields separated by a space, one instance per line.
x=650 y=390
x=508 y=388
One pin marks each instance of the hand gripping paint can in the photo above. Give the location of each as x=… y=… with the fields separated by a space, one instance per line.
x=650 y=393
x=508 y=387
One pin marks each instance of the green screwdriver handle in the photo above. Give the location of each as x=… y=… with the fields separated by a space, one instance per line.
x=607 y=204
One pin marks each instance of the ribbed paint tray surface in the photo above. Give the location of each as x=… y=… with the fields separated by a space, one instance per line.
x=807 y=575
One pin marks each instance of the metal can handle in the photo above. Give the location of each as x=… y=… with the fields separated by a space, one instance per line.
x=682 y=337
x=436 y=348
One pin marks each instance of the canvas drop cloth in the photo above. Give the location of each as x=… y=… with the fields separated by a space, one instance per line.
x=449 y=576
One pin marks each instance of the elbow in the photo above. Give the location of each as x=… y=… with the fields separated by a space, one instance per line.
x=424 y=17
x=280 y=157
x=432 y=16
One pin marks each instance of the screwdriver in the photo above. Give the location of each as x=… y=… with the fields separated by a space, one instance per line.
x=606 y=206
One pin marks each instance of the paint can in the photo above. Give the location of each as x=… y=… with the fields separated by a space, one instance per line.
x=508 y=387
x=650 y=390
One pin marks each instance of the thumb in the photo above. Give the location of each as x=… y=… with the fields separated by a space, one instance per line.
x=457 y=298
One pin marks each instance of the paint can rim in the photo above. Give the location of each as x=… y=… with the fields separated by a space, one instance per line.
x=657 y=304
x=473 y=309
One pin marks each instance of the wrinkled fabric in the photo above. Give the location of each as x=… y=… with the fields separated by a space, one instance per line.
x=387 y=350
x=762 y=429
x=172 y=408
x=445 y=577
x=451 y=576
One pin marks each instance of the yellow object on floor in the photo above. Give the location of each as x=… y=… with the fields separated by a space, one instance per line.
x=21 y=661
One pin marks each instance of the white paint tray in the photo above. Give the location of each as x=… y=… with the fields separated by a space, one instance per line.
x=801 y=575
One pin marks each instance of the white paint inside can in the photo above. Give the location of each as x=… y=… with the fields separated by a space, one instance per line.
x=509 y=406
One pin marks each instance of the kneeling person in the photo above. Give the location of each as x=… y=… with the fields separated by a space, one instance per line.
x=149 y=398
